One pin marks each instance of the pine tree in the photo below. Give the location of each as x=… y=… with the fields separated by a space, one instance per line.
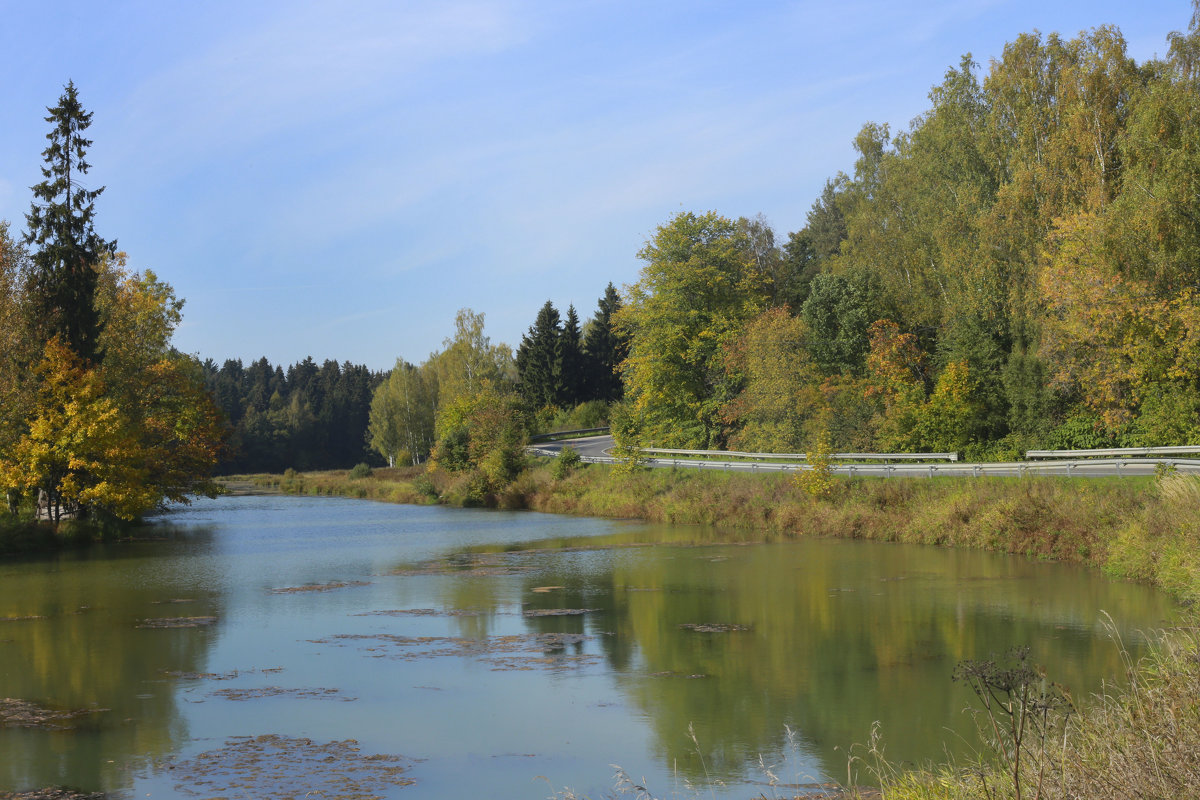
x=572 y=367
x=60 y=229
x=539 y=360
x=604 y=349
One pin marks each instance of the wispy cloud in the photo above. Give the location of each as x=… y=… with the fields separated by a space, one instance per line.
x=321 y=62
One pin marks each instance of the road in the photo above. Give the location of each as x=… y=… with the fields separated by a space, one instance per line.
x=595 y=449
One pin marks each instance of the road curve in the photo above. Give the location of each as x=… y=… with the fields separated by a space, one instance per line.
x=590 y=447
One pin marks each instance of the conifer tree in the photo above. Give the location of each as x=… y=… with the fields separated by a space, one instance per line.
x=571 y=366
x=539 y=359
x=66 y=247
x=604 y=349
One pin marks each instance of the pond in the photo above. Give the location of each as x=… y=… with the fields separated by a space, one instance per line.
x=509 y=654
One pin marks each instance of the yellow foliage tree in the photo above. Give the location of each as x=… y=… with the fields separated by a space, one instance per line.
x=80 y=450
x=781 y=381
x=160 y=390
x=120 y=436
x=1109 y=338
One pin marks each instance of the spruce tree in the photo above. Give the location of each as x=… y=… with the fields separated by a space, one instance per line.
x=66 y=247
x=572 y=368
x=539 y=361
x=604 y=350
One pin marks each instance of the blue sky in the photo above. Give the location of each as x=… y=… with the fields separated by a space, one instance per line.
x=336 y=179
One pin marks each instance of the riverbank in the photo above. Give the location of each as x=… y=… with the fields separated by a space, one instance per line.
x=1144 y=529
x=21 y=537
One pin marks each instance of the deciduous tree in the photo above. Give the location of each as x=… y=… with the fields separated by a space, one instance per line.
x=697 y=288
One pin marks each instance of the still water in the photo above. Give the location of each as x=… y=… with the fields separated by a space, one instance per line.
x=490 y=648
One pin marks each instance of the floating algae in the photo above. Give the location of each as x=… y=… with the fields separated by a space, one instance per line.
x=513 y=652
x=713 y=627
x=273 y=767
x=177 y=622
x=319 y=587
x=53 y=793
x=24 y=714
x=256 y=692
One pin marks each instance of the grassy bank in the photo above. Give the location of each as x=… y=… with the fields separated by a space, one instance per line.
x=1144 y=529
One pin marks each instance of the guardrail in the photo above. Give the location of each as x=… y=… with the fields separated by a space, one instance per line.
x=1081 y=468
x=884 y=457
x=1114 y=452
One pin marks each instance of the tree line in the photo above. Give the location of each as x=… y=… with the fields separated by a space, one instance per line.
x=1018 y=268
x=471 y=406
x=305 y=417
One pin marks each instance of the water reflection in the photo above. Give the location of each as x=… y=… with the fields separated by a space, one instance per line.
x=825 y=637
x=73 y=637
x=497 y=646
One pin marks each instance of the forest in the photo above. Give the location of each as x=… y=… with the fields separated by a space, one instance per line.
x=1017 y=269
x=305 y=417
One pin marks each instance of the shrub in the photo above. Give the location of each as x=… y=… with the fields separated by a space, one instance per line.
x=592 y=414
x=423 y=485
x=566 y=463
x=360 y=470
x=818 y=479
x=503 y=464
x=453 y=452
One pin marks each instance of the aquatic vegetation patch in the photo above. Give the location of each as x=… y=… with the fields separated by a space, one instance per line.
x=713 y=627
x=319 y=587
x=427 y=612
x=24 y=714
x=53 y=793
x=558 y=612
x=472 y=564
x=273 y=767
x=257 y=692
x=219 y=676
x=670 y=673
x=177 y=622
x=526 y=651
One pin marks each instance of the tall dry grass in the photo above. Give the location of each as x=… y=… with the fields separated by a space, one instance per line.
x=1140 y=741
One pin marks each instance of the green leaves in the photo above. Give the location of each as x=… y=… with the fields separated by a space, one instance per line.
x=698 y=287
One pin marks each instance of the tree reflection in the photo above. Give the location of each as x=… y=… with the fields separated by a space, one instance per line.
x=71 y=640
x=735 y=643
